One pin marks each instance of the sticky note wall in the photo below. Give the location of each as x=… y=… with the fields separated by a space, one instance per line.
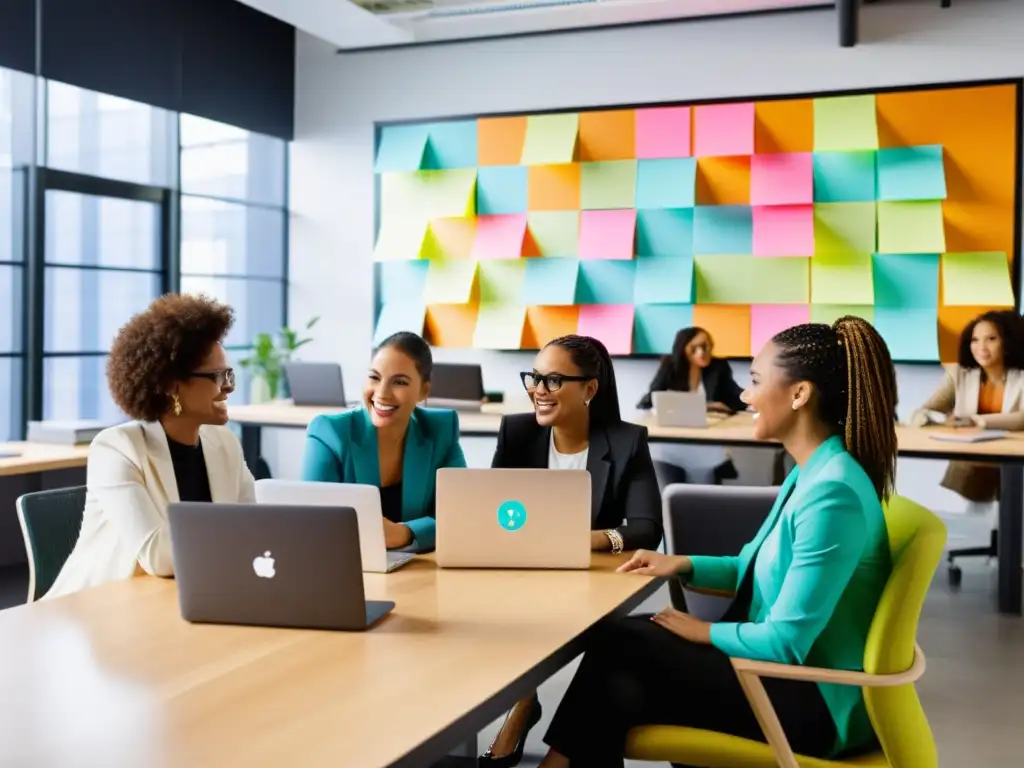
x=744 y=217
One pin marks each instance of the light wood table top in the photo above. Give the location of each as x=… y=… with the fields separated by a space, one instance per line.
x=41 y=457
x=113 y=676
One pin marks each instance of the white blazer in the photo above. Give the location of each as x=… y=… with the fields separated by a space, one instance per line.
x=130 y=481
x=959 y=393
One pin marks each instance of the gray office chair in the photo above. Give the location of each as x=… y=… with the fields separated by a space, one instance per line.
x=50 y=524
x=711 y=520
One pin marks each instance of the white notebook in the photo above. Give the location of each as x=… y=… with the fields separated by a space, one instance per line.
x=971 y=437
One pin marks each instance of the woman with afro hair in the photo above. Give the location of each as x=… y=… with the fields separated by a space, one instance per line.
x=168 y=372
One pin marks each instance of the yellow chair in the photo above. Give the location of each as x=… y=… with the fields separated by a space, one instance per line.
x=892 y=662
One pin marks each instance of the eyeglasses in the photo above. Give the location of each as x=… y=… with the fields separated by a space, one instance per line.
x=552 y=381
x=224 y=378
x=705 y=348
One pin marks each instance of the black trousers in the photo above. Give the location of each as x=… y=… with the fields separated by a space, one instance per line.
x=637 y=673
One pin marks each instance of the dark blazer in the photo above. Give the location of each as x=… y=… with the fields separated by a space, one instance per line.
x=624 y=489
x=719 y=385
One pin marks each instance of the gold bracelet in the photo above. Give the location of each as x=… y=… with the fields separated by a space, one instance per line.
x=616 y=539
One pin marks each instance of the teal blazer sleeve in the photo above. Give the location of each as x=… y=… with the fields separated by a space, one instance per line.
x=424 y=529
x=322 y=457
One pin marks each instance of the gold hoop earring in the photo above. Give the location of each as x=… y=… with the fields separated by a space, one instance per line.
x=176 y=407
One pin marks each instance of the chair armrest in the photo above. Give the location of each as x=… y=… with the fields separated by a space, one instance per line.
x=839 y=676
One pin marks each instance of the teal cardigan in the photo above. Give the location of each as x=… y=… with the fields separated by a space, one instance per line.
x=821 y=561
x=342 y=448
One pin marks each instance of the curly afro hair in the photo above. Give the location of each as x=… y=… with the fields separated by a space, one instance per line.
x=160 y=346
x=1010 y=328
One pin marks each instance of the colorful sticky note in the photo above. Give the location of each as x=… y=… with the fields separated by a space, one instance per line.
x=453 y=237
x=844 y=177
x=663 y=132
x=499 y=237
x=664 y=232
x=607 y=135
x=402 y=280
x=427 y=194
x=501 y=189
x=607 y=234
x=981 y=279
x=451 y=325
x=724 y=129
x=845 y=123
x=655 y=327
x=907 y=281
x=766 y=320
x=842 y=279
x=844 y=228
x=916 y=227
x=401 y=239
x=608 y=185
x=729 y=326
x=784 y=230
x=546 y=323
x=911 y=173
x=664 y=280
x=910 y=334
x=742 y=279
x=723 y=181
x=450 y=281
x=499 y=140
x=395 y=316
x=499 y=326
x=785 y=179
x=550 y=281
x=666 y=183
x=829 y=313
x=451 y=144
x=550 y=139
x=501 y=281
x=723 y=229
x=605 y=282
x=555 y=233
x=401 y=148
x=786 y=125
x=611 y=324
x=553 y=187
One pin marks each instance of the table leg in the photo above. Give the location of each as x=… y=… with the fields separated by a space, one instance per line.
x=1011 y=532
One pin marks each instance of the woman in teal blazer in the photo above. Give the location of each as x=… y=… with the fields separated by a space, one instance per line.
x=806 y=588
x=391 y=442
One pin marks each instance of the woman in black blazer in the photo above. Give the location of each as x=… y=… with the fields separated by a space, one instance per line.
x=691 y=367
x=576 y=424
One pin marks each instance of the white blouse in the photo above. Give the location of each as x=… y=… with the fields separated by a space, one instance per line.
x=558 y=460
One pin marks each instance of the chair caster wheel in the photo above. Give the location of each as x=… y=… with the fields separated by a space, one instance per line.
x=956 y=576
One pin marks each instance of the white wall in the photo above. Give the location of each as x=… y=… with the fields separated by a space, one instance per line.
x=339 y=98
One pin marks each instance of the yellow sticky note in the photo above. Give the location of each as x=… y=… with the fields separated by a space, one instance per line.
x=425 y=195
x=402 y=239
x=843 y=123
x=501 y=280
x=499 y=326
x=844 y=228
x=550 y=139
x=751 y=280
x=452 y=238
x=450 y=281
x=911 y=227
x=842 y=279
x=976 y=280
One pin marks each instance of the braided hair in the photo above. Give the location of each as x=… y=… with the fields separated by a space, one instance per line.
x=592 y=358
x=850 y=367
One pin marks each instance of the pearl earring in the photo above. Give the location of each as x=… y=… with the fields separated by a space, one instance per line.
x=586 y=403
x=796 y=406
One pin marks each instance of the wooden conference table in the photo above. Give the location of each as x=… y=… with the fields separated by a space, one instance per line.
x=40 y=457
x=738 y=431
x=113 y=676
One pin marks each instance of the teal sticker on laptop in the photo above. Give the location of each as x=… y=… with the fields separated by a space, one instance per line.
x=512 y=515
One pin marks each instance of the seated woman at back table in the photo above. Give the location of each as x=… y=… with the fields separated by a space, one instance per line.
x=576 y=425
x=168 y=372
x=691 y=368
x=806 y=587
x=391 y=442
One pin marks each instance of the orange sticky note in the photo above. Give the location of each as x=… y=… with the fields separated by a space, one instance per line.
x=723 y=181
x=607 y=135
x=500 y=237
x=451 y=325
x=554 y=187
x=453 y=237
x=546 y=323
x=786 y=125
x=729 y=326
x=611 y=324
x=952 y=321
x=499 y=140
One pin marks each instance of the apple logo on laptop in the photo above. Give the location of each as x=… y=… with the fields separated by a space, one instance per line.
x=263 y=566
x=511 y=515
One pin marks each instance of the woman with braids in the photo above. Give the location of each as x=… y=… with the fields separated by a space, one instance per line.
x=576 y=425
x=806 y=588
x=168 y=371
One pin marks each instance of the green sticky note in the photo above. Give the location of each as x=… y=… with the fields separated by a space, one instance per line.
x=608 y=185
x=426 y=195
x=450 y=281
x=844 y=228
x=727 y=279
x=844 y=123
x=829 y=313
x=501 y=280
x=976 y=279
x=550 y=139
x=842 y=279
x=555 y=233
x=499 y=326
x=914 y=227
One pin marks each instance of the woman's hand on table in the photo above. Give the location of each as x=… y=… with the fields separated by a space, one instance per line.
x=647 y=563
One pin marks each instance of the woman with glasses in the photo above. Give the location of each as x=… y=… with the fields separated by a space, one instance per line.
x=169 y=373
x=576 y=425
x=691 y=368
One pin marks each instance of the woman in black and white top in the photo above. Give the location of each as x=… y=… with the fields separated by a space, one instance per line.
x=576 y=424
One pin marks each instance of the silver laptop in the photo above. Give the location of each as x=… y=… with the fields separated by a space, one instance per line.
x=513 y=518
x=315 y=384
x=364 y=499
x=680 y=409
x=270 y=565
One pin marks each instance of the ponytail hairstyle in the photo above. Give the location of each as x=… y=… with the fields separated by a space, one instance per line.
x=593 y=360
x=850 y=366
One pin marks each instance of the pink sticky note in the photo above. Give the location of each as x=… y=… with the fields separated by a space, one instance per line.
x=784 y=230
x=663 y=132
x=724 y=129
x=611 y=324
x=607 y=234
x=499 y=237
x=768 y=319
x=784 y=179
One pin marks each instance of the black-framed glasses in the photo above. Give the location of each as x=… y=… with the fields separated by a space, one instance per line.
x=224 y=378
x=552 y=381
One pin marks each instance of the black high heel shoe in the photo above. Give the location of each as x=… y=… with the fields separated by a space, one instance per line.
x=516 y=755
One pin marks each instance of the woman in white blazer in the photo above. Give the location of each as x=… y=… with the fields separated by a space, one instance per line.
x=169 y=373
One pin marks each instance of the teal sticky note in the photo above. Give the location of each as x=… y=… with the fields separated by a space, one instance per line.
x=400 y=316
x=501 y=189
x=664 y=232
x=402 y=280
x=910 y=334
x=605 y=281
x=655 y=327
x=723 y=229
x=664 y=280
x=844 y=177
x=911 y=173
x=401 y=148
x=906 y=281
x=451 y=145
x=549 y=282
x=666 y=183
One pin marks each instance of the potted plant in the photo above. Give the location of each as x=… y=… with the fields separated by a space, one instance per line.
x=267 y=359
